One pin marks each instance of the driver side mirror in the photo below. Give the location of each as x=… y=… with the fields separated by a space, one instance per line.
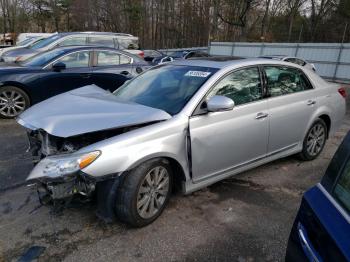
x=58 y=67
x=220 y=103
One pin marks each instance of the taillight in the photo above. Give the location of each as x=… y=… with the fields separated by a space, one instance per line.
x=342 y=92
x=142 y=54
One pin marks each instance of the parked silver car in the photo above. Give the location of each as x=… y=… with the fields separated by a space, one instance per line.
x=188 y=124
x=292 y=59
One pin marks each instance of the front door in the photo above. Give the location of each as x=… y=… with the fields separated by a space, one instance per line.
x=77 y=74
x=223 y=141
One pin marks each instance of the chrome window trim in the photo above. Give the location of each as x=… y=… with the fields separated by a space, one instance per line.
x=335 y=203
x=78 y=51
x=107 y=50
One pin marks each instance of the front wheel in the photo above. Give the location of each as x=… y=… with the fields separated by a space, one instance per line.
x=314 y=140
x=144 y=193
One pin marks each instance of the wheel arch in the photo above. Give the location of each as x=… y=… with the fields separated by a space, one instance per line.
x=19 y=85
x=180 y=171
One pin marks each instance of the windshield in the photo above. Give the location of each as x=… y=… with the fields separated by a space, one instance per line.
x=43 y=58
x=168 y=87
x=45 y=42
x=26 y=41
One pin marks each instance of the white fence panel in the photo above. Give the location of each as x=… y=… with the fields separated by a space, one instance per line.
x=332 y=60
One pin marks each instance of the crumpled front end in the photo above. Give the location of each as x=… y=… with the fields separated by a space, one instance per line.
x=57 y=174
x=59 y=161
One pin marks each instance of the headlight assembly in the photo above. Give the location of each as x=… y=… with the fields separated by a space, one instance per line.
x=62 y=165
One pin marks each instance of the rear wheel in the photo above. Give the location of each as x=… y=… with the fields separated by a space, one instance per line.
x=13 y=101
x=314 y=140
x=144 y=193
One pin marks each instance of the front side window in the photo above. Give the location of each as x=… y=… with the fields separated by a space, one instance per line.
x=242 y=86
x=76 y=40
x=285 y=80
x=106 y=41
x=167 y=87
x=77 y=59
x=342 y=188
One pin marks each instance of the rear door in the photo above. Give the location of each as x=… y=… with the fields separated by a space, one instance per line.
x=322 y=227
x=108 y=65
x=291 y=104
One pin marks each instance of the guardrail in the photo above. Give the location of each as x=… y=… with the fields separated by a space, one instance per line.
x=332 y=60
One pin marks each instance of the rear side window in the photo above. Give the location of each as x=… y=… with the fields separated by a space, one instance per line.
x=125 y=43
x=342 y=188
x=110 y=58
x=76 y=40
x=285 y=80
x=106 y=41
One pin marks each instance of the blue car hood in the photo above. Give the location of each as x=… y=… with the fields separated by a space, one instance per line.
x=84 y=110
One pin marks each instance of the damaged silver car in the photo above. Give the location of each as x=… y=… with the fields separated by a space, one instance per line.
x=182 y=125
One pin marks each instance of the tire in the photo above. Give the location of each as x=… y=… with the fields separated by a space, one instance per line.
x=314 y=141
x=137 y=189
x=13 y=101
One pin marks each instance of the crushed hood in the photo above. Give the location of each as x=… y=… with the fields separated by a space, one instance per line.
x=84 y=110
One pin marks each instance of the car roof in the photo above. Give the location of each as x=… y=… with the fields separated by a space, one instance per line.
x=227 y=61
x=93 y=33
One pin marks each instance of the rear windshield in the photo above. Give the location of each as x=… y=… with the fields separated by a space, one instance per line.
x=167 y=87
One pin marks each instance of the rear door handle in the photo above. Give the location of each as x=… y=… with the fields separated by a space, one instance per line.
x=261 y=115
x=311 y=102
x=308 y=249
x=85 y=75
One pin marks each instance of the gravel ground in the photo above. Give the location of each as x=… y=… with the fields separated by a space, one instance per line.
x=245 y=218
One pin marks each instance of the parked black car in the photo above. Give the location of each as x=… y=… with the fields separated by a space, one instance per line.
x=177 y=55
x=149 y=55
x=321 y=230
x=63 y=69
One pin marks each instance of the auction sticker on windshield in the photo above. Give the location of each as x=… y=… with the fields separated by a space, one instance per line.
x=197 y=73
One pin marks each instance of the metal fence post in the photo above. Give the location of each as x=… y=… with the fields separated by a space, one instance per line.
x=262 y=48
x=233 y=48
x=340 y=53
x=296 y=50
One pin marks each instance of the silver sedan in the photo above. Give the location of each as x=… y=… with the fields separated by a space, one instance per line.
x=182 y=125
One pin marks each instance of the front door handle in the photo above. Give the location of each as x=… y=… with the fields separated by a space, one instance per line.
x=311 y=102
x=261 y=115
x=308 y=249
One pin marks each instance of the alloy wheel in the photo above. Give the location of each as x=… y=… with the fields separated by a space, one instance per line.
x=12 y=103
x=316 y=139
x=153 y=192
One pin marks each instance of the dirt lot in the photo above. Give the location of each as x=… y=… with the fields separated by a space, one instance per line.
x=246 y=218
